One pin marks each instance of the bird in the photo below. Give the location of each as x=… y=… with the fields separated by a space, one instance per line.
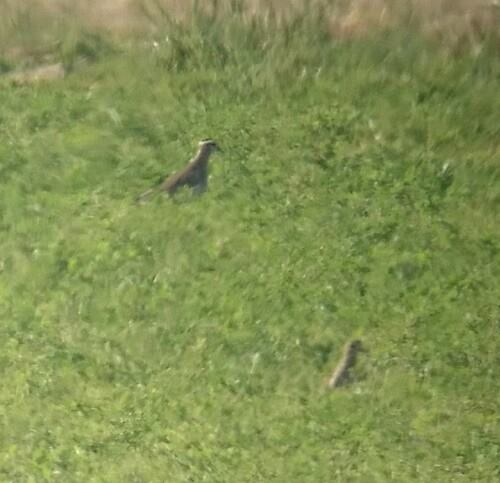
x=341 y=373
x=194 y=175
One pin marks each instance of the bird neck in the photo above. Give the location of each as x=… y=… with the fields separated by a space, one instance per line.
x=203 y=155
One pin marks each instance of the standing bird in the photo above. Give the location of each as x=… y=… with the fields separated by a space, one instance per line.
x=340 y=375
x=194 y=175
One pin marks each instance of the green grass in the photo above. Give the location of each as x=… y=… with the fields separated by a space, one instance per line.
x=190 y=340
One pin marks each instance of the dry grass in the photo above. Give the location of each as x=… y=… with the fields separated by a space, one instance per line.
x=455 y=23
x=450 y=20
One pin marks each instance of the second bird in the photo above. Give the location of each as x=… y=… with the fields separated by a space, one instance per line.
x=194 y=175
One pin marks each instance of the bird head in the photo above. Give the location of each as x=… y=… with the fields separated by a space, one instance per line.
x=209 y=145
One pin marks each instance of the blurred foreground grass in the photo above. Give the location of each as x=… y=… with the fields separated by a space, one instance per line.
x=190 y=341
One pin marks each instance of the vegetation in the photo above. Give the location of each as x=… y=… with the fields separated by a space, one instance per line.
x=191 y=339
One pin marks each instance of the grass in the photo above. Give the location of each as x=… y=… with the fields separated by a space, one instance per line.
x=190 y=340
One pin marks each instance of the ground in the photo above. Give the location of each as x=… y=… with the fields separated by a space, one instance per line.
x=192 y=339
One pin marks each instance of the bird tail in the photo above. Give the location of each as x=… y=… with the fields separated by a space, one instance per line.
x=146 y=195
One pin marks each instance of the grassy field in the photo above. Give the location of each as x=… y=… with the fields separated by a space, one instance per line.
x=358 y=195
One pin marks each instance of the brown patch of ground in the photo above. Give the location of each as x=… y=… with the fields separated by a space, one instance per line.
x=42 y=73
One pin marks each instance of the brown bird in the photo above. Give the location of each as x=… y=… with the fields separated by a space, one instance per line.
x=340 y=375
x=194 y=175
